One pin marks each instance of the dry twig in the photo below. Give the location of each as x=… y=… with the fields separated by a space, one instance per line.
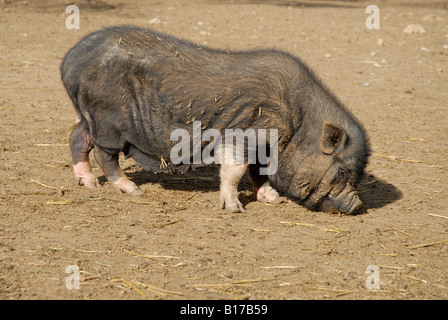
x=394 y=158
x=406 y=234
x=436 y=215
x=47 y=186
x=167 y=223
x=131 y=286
x=149 y=256
x=429 y=244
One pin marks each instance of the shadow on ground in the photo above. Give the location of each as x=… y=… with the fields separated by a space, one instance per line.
x=376 y=193
x=373 y=191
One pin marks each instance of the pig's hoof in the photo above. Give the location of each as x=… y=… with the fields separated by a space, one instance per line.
x=89 y=181
x=136 y=192
x=268 y=194
x=232 y=206
x=124 y=185
x=235 y=207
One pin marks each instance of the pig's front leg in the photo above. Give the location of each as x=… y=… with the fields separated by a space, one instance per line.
x=231 y=175
x=264 y=192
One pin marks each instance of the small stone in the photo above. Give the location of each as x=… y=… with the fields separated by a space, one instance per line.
x=431 y=17
x=366 y=84
x=156 y=20
x=414 y=28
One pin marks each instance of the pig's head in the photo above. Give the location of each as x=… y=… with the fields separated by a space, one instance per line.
x=322 y=166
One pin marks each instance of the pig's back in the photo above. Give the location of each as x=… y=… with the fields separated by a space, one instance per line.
x=141 y=85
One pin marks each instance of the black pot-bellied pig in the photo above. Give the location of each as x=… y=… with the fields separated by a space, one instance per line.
x=133 y=87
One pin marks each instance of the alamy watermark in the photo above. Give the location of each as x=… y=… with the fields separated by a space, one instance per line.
x=72 y=21
x=373 y=21
x=72 y=281
x=230 y=149
x=233 y=149
x=373 y=280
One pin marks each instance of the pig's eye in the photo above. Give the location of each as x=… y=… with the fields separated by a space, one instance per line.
x=340 y=176
x=342 y=173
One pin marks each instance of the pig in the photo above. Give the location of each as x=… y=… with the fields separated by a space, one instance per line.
x=131 y=87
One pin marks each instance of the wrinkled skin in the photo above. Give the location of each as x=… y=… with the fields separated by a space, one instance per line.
x=336 y=192
x=331 y=189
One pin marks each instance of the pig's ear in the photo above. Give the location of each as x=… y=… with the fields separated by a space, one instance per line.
x=331 y=138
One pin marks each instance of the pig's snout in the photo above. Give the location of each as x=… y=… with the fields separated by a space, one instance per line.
x=346 y=202
x=351 y=205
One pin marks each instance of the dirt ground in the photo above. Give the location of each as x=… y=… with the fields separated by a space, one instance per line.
x=175 y=242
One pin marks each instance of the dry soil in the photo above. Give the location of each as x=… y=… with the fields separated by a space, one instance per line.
x=175 y=242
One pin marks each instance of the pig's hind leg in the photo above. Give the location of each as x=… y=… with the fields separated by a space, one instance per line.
x=264 y=192
x=111 y=168
x=80 y=147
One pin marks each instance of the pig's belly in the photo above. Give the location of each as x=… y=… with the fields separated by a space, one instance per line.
x=152 y=164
